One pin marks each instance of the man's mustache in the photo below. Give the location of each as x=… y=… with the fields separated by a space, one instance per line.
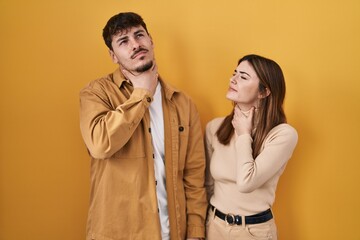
x=137 y=51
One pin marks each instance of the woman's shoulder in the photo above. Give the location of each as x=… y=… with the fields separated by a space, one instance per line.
x=284 y=127
x=214 y=124
x=284 y=130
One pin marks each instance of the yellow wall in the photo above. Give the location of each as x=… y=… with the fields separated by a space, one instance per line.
x=50 y=49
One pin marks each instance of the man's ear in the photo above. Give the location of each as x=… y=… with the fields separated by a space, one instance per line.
x=152 y=43
x=113 y=56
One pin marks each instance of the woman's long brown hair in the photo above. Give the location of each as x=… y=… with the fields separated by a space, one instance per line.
x=270 y=111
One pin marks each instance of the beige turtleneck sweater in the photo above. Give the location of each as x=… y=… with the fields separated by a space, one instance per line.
x=236 y=182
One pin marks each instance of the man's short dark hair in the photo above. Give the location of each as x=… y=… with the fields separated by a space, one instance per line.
x=120 y=22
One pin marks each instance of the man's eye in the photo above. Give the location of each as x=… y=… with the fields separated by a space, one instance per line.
x=139 y=35
x=242 y=77
x=123 y=42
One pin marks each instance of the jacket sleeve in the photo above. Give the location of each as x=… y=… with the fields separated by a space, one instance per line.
x=278 y=148
x=194 y=176
x=106 y=129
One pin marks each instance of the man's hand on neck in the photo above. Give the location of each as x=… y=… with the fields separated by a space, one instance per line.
x=145 y=80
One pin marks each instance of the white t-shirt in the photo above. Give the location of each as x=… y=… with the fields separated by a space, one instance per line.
x=157 y=134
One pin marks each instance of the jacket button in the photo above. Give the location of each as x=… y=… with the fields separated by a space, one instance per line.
x=181 y=128
x=148 y=99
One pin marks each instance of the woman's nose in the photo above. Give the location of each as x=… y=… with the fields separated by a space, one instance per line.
x=232 y=80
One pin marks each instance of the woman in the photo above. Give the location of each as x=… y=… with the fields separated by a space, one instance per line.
x=247 y=151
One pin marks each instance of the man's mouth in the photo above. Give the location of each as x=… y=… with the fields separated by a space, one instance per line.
x=138 y=52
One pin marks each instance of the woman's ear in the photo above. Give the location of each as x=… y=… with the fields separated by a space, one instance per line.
x=267 y=92
x=264 y=93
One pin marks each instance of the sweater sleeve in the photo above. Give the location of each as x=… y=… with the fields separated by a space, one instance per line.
x=106 y=130
x=209 y=181
x=277 y=150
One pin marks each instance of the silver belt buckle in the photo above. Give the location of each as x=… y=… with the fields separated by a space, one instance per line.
x=233 y=219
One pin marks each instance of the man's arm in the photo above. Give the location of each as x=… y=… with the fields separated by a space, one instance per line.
x=106 y=130
x=194 y=176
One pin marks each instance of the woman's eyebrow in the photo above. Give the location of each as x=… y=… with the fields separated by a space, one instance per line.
x=245 y=73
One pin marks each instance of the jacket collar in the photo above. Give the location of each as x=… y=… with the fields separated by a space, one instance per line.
x=119 y=79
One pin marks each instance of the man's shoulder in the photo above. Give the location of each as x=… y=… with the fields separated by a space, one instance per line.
x=174 y=93
x=99 y=83
x=182 y=98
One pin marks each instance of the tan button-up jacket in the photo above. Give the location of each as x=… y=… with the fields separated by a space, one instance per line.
x=115 y=125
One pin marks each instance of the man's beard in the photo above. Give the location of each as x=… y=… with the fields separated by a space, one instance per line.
x=144 y=67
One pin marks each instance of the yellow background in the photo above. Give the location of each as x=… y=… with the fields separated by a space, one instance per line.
x=50 y=49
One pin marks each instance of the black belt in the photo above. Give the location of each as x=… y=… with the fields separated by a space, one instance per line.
x=232 y=219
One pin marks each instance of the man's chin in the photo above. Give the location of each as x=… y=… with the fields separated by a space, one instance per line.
x=144 y=67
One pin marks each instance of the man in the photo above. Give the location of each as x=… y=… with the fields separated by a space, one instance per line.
x=146 y=147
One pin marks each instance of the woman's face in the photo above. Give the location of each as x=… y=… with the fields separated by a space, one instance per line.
x=244 y=86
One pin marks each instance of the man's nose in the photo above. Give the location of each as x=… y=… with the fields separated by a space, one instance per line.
x=135 y=44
